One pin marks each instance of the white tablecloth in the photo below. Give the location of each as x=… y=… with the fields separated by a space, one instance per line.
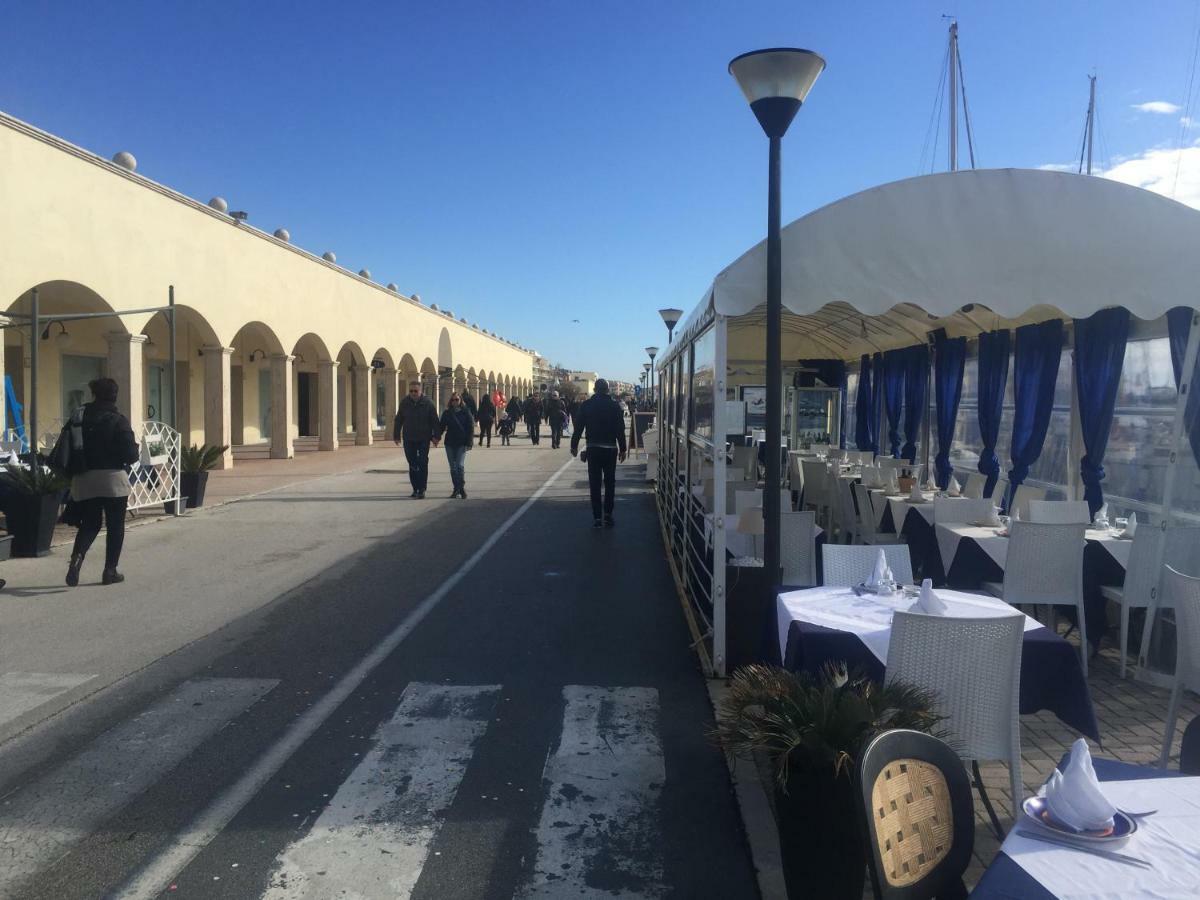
x=900 y=505
x=870 y=616
x=996 y=546
x=1169 y=840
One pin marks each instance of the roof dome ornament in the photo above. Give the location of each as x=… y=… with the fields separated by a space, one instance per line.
x=364 y=273
x=126 y=160
x=391 y=286
x=329 y=256
x=416 y=298
x=220 y=204
x=283 y=234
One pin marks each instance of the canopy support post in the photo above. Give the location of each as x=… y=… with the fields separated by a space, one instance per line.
x=35 y=337
x=720 y=367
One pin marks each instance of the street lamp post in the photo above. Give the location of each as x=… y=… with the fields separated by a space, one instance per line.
x=651 y=352
x=671 y=318
x=775 y=82
x=646 y=376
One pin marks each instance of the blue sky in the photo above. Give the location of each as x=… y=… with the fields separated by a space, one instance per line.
x=529 y=163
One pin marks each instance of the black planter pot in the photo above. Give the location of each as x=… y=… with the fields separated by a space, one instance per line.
x=819 y=837
x=191 y=485
x=31 y=521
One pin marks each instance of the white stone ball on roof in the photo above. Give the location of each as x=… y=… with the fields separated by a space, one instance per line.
x=416 y=298
x=329 y=256
x=391 y=286
x=220 y=204
x=282 y=234
x=126 y=160
x=365 y=273
x=475 y=325
x=433 y=306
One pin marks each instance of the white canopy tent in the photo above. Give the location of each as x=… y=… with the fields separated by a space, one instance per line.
x=967 y=252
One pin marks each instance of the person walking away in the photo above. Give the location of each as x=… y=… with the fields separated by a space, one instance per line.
x=505 y=429
x=601 y=419
x=459 y=430
x=514 y=411
x=533 y=419
x=469 y=402
x=485 y=417
x=418 y=426
x=102 y=489
x=556 y=415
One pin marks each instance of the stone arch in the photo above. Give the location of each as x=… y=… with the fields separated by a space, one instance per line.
x=409 y=370
x=384 y=393
x=253 y=358
x=430 y=381
x=353 y=394
x=315 y=392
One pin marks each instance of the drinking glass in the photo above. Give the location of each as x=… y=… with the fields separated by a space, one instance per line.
x=1004 y=522
x=1120 y=523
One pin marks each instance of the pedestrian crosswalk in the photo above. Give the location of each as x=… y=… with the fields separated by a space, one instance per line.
x=595 y=818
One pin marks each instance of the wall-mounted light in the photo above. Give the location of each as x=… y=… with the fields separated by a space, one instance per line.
x=62 y=340
x=262 y=354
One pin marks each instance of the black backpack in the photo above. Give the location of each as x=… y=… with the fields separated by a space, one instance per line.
x=67 y=456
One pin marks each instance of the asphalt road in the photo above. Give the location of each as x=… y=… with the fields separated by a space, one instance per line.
x=336 y=691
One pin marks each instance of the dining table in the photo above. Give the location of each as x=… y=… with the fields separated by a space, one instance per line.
x=816 y=626
x=1168 y=840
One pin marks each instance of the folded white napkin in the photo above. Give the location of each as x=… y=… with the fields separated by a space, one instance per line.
x=929 y=603
x=1131 y=528
x=1073 y=796
x=994 y=516
x=916 y=494
x=931 y=483
x=954 y=489
x=880 y=574
x=893 y=481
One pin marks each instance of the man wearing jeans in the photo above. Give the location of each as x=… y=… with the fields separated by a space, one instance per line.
x=604 y=423
x=417 y=421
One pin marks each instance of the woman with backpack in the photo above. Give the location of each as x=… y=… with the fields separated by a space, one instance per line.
x=458 y=433
x=101 y=488
x=486 y=417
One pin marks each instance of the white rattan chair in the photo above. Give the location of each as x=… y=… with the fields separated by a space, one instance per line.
x=960 y=511
x=847 y=566
x=973 y=489
x=999 y=492
x=798 y=548
x=753 y=499
x=731 y=491
x=1142 y=580
x=1182 y=593
x=746 y=459
x=887 y=462
x=1044 y=567
x=837 y=454
x=1021 y=499
x=868 y=518
x=1059 y=512
x=818 y=493
x=848 y=523
x=974 y=668
x=795 y=474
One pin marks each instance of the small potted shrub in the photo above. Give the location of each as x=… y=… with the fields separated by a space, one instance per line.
x=194 y=464
x=811 y=729
x=32 y=508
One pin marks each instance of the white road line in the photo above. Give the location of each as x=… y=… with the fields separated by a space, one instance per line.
x=158 y=873
x=42 y=821
x=373 y=838
x=599 y=831
x=22 y=691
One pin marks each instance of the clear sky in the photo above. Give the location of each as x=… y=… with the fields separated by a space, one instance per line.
x=529 y=163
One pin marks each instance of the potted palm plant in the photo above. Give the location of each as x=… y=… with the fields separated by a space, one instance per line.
x=811 y=730
x=32 y=509
x=194 y=465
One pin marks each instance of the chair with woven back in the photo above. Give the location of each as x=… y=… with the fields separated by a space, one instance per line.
x=1142 y=577
x=973 y=489
x=844 y=565
x=1182 y=594
x=1060 y=512
x=869 y=516
x=917 y=815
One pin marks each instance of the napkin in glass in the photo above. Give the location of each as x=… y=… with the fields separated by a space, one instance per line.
x=1131 y=528
x=1073 y=796
x=928 y=602
x=954 y=489
x=994 y=516
x=880 y=574
x=893 y=481
x=916 y=494
x=1101 y=518
x=930 y=483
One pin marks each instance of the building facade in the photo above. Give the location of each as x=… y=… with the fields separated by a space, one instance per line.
x=278 y=350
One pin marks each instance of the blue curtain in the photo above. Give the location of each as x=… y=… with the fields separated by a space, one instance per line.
x=1035 y=371
x=894 y=364
x=992 y=377
x=949 y=361
x=1178 y=326
x=877 y=403
x=916 y=394
x=864 y=408
x=1099 y=356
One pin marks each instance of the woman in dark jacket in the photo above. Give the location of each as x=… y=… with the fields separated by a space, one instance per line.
x=102 y=491
x=458 y=433
x=486 y=416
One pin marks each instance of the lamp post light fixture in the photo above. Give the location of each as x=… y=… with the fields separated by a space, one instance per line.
x=671 y=318
x=775 y=82
x=652 y=352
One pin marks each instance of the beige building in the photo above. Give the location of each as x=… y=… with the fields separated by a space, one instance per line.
x=278 y=349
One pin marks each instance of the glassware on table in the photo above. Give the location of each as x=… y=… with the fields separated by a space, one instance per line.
x=1005 y=521
x=1120 y=523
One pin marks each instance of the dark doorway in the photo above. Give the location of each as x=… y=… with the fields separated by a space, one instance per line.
x=306 y=401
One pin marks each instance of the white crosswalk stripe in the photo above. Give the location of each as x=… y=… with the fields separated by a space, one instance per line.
x=373 y=838
x=41 y=821
x=22 y=691
x=599 y=830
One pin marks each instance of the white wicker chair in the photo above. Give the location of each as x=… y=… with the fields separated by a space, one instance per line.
x=753 y=499
x=1045 y=568
x=868 y=517
x=999 y=492
x=795 y=474
x=848 y=522
x=817 y=488
x=846 y=566
x=1021 y=499
x=798 y=548
x=746 y=459
x=1142 y=580
x=1182 y=593
x=973 y=489
x=837 y=454
x=1059 y=512
x=974 y=666
x=887 y=462
x=951 y=511
x=731 y=490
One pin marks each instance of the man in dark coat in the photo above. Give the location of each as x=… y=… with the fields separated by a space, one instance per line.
x=556 y=415
x=602 y=419
x=514 y=410
x=533 y=418
x=469 y=402
x=417 y=420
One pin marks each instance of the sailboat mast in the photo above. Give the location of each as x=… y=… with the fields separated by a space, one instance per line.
x=1091 y=121
x=953 y=96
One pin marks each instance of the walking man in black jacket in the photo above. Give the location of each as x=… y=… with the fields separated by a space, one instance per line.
x=604 y=423
x=417 y=420
x=556 y=415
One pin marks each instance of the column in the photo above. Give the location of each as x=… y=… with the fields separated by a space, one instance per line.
x=218 y=427
x=3 y=393
x=281 y=407
x=327 y=399
x=391 y=398
x=125 y=367
x=361 y=414
x=429 y=384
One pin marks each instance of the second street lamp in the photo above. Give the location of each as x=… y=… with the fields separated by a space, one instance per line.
x=776 y=83
x=652 y=352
